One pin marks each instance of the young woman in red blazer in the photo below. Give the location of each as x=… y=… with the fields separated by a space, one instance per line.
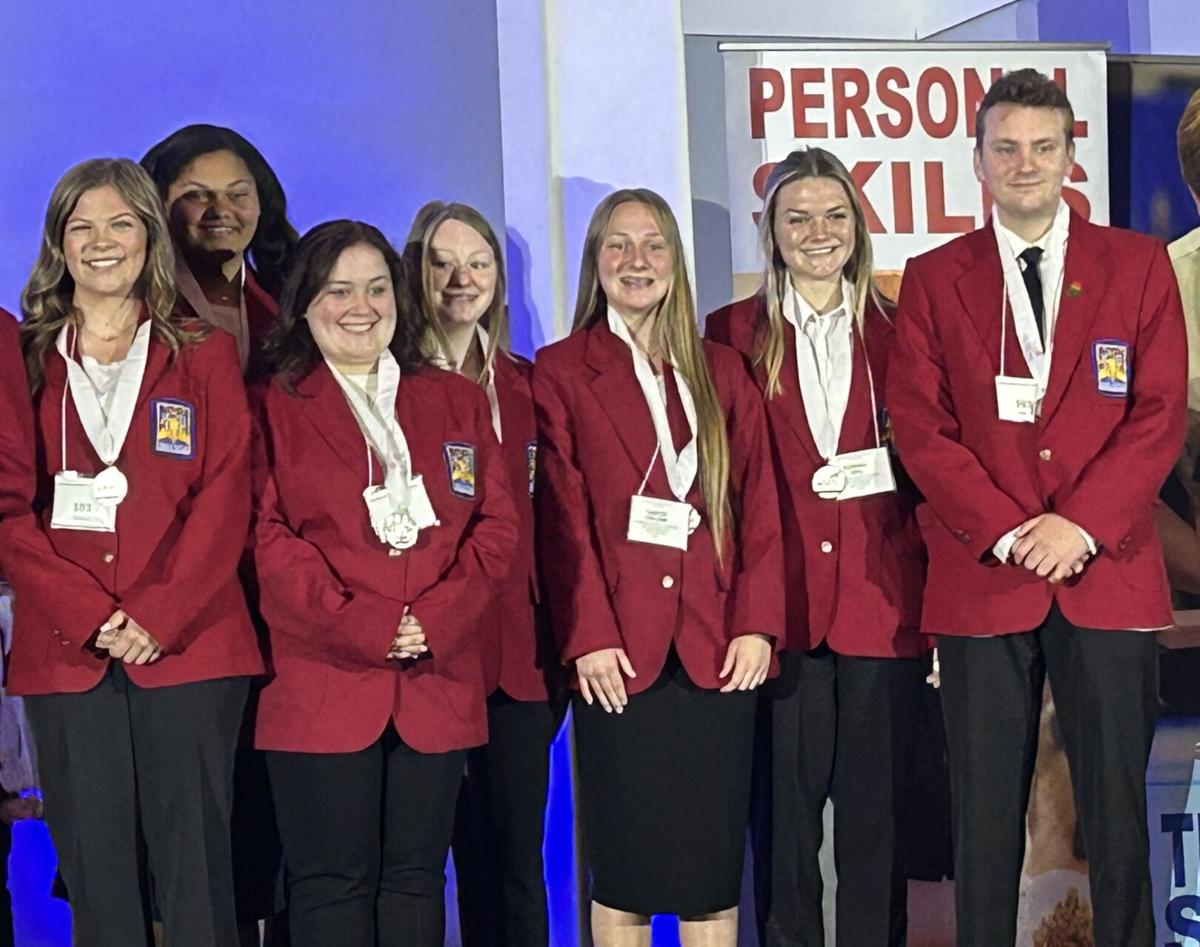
x=457 y=277
x=818 y=337
x=659 y=549
x=383 y=520
x=131 y=636
x=228 y=215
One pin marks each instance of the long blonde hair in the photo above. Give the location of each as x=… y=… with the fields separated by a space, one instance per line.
x=48 y=299
x=418 y=260
x=859 y=269
x=677 y=337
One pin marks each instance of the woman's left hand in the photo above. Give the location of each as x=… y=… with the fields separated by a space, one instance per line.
x=123 y=638
x=409 y=641
x=746 y=662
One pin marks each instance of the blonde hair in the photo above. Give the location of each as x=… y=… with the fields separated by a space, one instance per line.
x=418 y=252
x=47 y=302
x=859 y=269
x=1187 y=137
x=677 y=337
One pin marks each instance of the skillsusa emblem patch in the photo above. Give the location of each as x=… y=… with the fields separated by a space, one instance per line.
x=460 y=468
x=173 y=432
x=1110 y=361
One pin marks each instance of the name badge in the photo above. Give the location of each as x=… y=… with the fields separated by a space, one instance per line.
x=396 y=527
x=661 y=522
x=860 y=473
x=76 y=506
x=1017 y=399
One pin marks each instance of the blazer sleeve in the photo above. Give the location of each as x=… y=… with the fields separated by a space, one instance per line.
x=171 y=596
x=758 y=583
x=573 y=583
x=1118 y=486
x=947 y=472
x=67 y=595
x=450 y=610
x=717 y=326
x=301 y=597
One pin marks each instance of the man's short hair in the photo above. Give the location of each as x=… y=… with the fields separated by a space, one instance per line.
x=1030 y=88
x=1188 y=140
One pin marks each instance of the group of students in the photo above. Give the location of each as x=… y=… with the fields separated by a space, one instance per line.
x=404 y=543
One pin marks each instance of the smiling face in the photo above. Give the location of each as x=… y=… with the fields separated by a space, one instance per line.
x=463 y=270
x=813 y=225
x=634 y=262
x=104 y=243
x=213 y=206
x=353 y=316
x=1023 y=161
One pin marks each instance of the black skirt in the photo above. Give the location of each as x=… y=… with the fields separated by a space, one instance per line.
x=664 y=793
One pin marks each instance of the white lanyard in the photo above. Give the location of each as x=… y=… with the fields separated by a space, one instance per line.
x=107 y=434
x=681 y=466
x=489 y=381
x=1014 y=293
x=381 y=430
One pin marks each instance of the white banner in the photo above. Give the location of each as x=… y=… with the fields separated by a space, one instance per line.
x=902 y=119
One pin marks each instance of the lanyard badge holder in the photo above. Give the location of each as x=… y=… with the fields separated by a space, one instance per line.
x=660 y=522
x=1018 y=399
x=858 y=473
x=399 y=508
x=90 y=503
x=651 y=520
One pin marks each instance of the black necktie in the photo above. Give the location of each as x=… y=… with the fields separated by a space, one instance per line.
x=1033 y=285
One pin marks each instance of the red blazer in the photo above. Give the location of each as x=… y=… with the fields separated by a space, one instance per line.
x=17 y=475
x=595 y=440
x=171 y=564
x=1096 y=459
x=520 y=656
x=331 y=594
x=863 y=595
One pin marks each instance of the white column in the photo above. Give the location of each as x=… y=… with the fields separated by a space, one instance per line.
x=592 y=99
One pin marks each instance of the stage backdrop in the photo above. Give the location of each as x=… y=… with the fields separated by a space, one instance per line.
x=902 y=118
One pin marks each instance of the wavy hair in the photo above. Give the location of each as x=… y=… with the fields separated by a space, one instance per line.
x=274 y=237
x=290 y=346
x=859 y=270
x=47 y=302
x=418 y=259
x=677 y=336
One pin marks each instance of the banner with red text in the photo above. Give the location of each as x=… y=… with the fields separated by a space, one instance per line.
x=902 y=118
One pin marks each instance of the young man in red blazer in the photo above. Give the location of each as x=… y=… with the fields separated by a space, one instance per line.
x=1037 y=397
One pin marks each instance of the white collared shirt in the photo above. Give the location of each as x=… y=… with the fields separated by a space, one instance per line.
x=824 y=363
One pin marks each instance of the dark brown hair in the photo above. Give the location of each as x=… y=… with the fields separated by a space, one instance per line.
x=275 y=236
x=1030 y=88
x=290 y=347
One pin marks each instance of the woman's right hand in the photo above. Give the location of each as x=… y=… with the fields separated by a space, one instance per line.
x=600 y=677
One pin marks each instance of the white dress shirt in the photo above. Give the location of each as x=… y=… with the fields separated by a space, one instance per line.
x=824 y=364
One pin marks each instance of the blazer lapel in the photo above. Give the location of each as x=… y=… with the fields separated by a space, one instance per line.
x=980 y=291
x=614 y=384
x=789 y=403
x=330 y=414
x=1085 y=276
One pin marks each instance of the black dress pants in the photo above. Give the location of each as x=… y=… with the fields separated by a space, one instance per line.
x=365 y=838
x=841 y=730
x=122 y=763
x=499 y=828
x=1105 y=694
